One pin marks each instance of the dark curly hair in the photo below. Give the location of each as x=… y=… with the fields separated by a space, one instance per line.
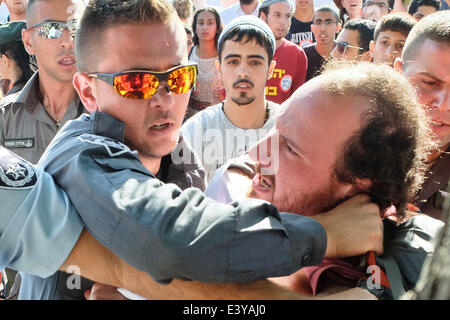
x=393 y=144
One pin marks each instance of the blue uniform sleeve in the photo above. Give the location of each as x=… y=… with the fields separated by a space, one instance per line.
x=169 y=233
x=38 y=226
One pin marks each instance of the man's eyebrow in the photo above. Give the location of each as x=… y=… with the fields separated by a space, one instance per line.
x=256 y=56
x=232 y=55
x=429 y=75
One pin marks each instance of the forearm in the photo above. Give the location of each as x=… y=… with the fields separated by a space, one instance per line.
x=94 y=261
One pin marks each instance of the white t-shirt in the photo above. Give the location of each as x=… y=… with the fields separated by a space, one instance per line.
x=215 y=139
x=235 y=11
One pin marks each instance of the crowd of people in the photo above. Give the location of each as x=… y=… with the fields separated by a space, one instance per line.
x=260 y=149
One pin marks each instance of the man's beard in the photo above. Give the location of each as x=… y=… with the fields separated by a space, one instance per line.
x=312 y=203
x=246 y=1
x=243 y=99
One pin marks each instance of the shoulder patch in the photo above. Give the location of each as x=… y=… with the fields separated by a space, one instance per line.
x=14 y=171
x=113 y=147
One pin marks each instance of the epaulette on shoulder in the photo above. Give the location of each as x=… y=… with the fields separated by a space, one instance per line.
x=8 y=100
x=14 y=171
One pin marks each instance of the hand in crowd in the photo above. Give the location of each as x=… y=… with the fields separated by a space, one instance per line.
x=101 y=291
x=353 y=228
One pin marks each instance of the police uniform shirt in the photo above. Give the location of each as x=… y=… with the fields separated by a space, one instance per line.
x=167 y=232
x=25 y=126
x=38 y=225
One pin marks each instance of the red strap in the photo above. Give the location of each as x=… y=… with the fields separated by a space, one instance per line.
x=370 y=259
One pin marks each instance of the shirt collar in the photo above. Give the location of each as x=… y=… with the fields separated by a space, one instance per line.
x=108 y=126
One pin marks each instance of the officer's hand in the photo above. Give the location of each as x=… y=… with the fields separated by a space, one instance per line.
x=353 y=228
x=101 y=291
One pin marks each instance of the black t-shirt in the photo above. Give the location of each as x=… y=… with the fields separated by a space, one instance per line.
x=300 y=33
x=315 y=61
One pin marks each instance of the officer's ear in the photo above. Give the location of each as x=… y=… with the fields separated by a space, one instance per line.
x=85 y=88
x=26 y=39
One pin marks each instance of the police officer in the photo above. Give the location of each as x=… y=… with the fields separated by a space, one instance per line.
x=107 y=163
x=31 y=205
x=30 y=118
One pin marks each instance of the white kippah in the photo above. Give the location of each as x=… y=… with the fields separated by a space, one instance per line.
x=249 y=21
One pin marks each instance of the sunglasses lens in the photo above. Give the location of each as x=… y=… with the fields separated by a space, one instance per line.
x=50 y=30
x=341 y=47
x=182 y=80
x=136 y=85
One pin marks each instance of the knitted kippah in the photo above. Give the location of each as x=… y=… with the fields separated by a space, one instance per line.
x=252 y=22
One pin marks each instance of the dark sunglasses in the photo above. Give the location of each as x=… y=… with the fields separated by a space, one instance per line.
x=54 y=29
x=342 y=47
x=143 y=84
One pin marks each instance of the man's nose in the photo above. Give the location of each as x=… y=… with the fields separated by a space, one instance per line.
x=442 y=100
x=66 y=39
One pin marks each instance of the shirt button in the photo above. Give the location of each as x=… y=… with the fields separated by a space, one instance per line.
x=306 y=260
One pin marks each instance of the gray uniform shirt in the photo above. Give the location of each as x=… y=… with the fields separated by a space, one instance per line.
x=38 y=225
x=25 y=126
x=167 y=232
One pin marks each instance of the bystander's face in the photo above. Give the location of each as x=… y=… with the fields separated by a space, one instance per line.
x=423 y=11
x=324 y=27
x=278 y=19
x=245 y=69
x=308 y=137
x=353 y=8
x=388 y=46
x=430 y=74
x=304 y=4
x=151 y=125
x=206 y=26
x=352 y=51
x=375 y=9
x=55 y=57
x=18 y=7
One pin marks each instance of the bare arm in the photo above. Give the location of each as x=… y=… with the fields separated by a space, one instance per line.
x=101 y=265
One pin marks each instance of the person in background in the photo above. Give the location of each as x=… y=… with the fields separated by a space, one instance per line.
x=185 y=10
x=375 y=9
x=354 y=39
x=17 y=10
x=389 y=37
x=206 y=26
x=291 y=61
x=239 y=8
x=421 y=8
x=189 y=35
x=300 y=31
x=349 y=9
x=15 y=69
x=326 y=24
x=425 y=62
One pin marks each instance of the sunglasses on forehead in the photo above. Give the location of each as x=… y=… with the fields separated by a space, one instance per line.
x=54 y=29
x=143 y=84
x=342 y=47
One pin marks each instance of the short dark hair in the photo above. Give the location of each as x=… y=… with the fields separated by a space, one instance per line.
x=246 y=33
x=365 y=28
x=327 y=8
x=415 y=4
x=392 y=146
x=397 y=22
x=100 y=15
x=435 y=26
x=218 y=23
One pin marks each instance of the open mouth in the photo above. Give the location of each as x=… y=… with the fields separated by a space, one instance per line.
x=67 y=61
x=262 y=184
x=159 y=126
